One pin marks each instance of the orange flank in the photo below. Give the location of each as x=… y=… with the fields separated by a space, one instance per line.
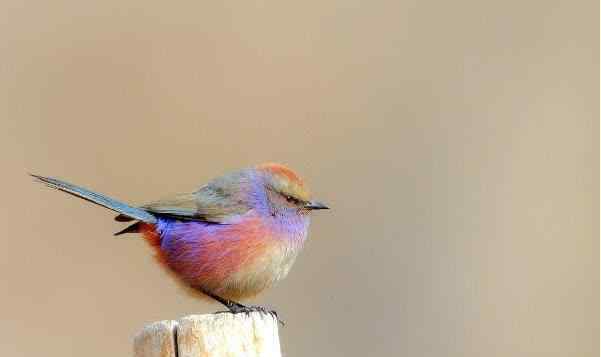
x=220 y=260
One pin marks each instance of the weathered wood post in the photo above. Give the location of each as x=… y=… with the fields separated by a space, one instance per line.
x=222 y=334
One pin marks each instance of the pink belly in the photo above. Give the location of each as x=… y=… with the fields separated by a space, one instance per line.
x=235 y=262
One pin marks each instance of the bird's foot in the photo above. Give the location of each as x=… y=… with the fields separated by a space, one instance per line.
x=242 y=309
x=265 y=310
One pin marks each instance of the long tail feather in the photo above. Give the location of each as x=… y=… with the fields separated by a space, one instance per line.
x=97 y=198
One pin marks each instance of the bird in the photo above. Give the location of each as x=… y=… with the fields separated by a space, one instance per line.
x=230 y=239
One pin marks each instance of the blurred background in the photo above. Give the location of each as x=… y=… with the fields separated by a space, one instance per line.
x=457 y=143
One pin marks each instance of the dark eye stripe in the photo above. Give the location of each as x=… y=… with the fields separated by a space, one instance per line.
x=292 y=199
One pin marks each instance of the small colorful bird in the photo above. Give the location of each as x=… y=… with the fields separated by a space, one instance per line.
x=230 y=239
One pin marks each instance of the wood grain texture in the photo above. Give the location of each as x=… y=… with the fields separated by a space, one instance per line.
x=211 y=335
x=156 y=340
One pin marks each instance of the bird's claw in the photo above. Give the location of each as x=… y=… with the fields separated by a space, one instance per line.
x=272 y=313
x=241 y=309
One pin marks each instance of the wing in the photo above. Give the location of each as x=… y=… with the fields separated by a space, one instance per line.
x=217 y=202
x=180 y=206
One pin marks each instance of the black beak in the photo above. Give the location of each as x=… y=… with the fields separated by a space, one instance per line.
x=315 y=205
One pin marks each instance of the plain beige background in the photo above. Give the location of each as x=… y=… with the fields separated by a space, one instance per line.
x=455 y=140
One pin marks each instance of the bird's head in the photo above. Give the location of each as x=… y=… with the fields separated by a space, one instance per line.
x=286 y=192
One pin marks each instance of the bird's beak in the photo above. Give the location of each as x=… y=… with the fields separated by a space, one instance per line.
x=315 y=205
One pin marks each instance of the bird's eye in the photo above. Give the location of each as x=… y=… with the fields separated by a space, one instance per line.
x=291 y=199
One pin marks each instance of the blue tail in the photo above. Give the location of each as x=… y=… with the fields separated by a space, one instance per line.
x=99 y=199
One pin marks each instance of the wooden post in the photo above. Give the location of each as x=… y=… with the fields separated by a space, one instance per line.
x=222 y=334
